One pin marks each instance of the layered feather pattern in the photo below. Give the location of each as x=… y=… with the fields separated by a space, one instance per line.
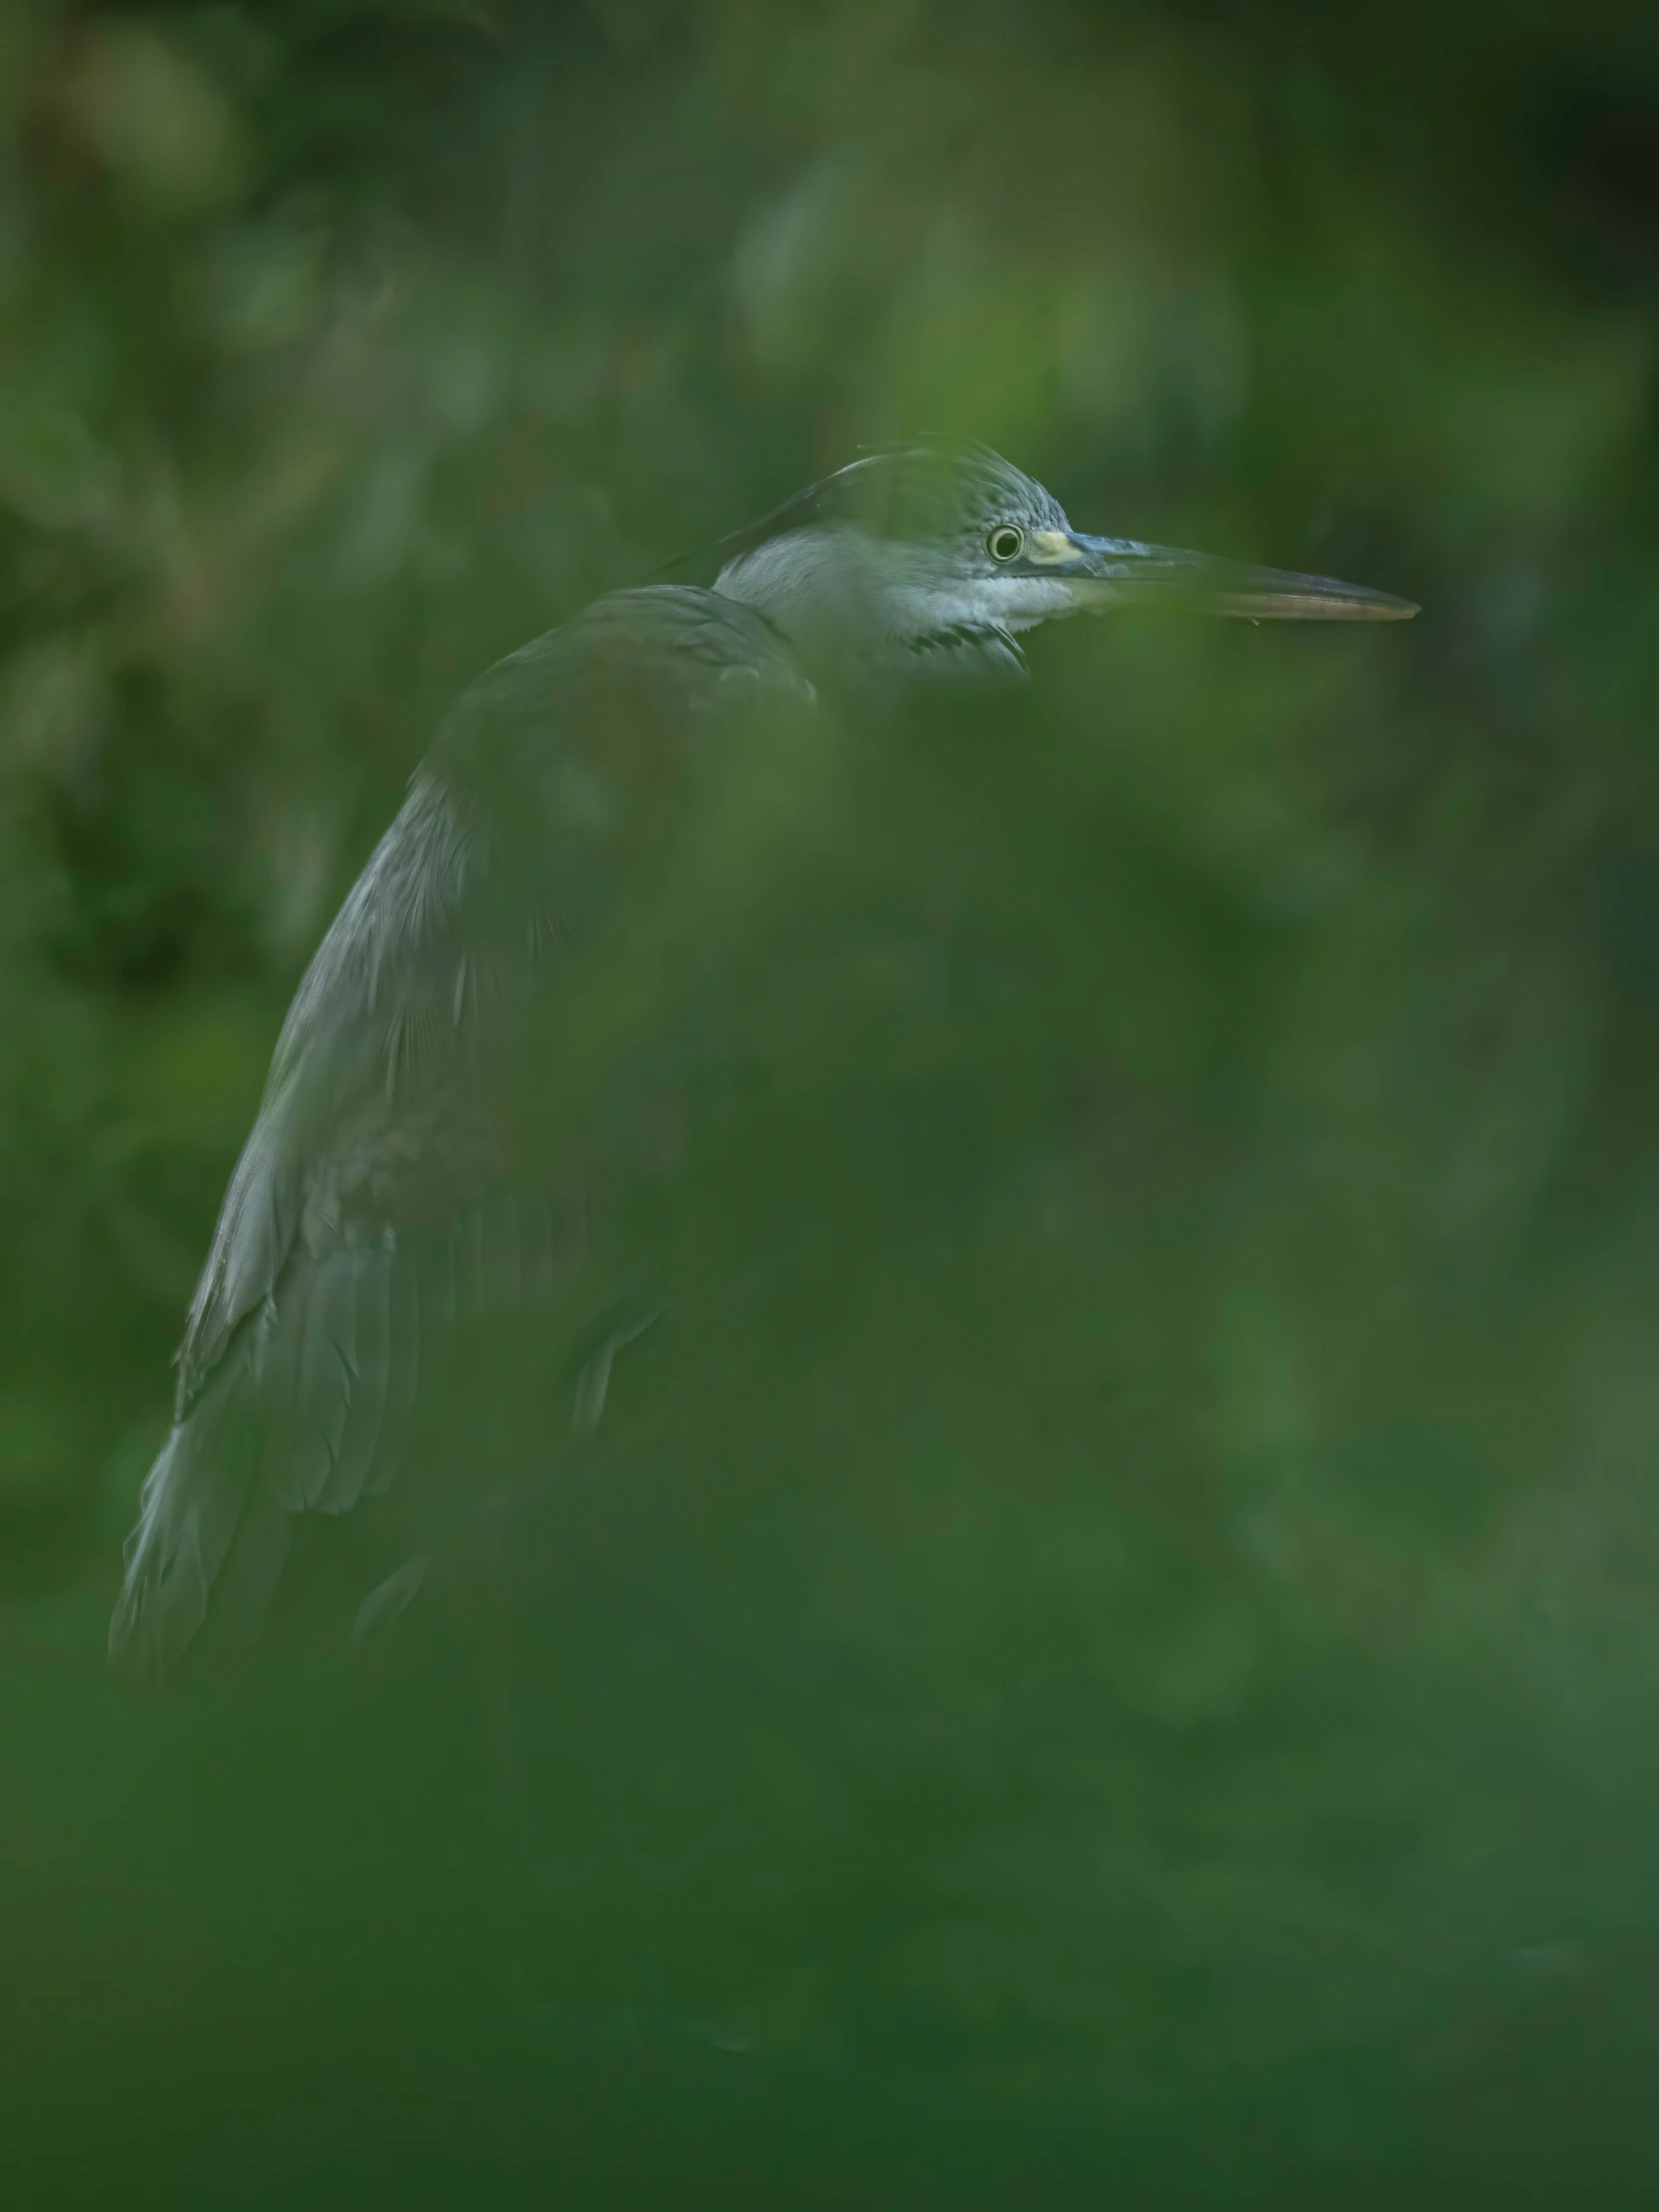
x=376 y=1204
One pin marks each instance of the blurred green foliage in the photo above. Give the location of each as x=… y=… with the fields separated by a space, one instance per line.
x=1206 y=1179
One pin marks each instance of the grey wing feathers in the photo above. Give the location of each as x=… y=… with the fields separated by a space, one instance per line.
x=305 y=1412
x=308 y=1412
x=347 y=1031
x=313 y=1322
x=302 y=1351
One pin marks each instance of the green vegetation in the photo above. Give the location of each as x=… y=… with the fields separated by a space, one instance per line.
x=1121 y=1624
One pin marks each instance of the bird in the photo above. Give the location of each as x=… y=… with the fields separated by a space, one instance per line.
x=391 y=1183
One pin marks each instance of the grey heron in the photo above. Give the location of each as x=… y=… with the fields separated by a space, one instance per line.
x=381 y=1183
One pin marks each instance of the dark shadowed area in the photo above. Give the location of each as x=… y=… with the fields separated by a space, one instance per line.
x=1105 y=1648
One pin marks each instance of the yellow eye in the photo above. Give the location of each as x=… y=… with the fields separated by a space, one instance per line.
x=1004 y=542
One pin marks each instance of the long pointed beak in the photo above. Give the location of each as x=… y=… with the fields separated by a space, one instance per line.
x=1115 y=572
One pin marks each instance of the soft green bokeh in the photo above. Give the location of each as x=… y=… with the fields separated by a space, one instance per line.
x=1121 y=1616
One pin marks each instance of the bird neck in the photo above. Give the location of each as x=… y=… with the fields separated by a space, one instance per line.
x=848 y=602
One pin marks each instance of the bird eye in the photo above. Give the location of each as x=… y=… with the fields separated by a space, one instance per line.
x=1004 y=542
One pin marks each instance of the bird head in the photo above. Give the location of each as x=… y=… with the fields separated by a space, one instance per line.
x=938 y=552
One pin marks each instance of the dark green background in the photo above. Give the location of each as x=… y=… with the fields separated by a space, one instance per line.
x=1112 y=1639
